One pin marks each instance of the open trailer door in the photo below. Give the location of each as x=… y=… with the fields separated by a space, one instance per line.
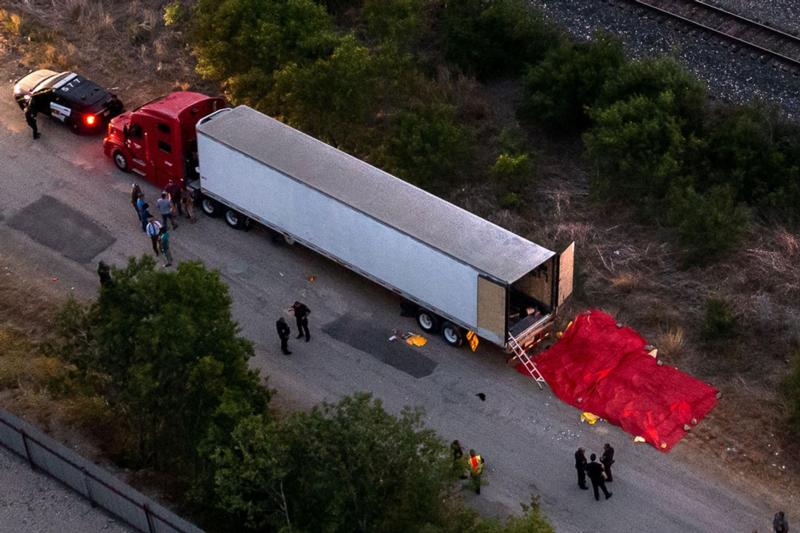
x=566 y=262
x=492 y=309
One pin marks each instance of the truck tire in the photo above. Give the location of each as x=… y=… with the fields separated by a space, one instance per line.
x=427 y=321
x=209 y=206
x=235 y=219
x=452 y=334
x=121 y=161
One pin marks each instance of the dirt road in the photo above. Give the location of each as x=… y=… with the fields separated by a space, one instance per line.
x=63 y=207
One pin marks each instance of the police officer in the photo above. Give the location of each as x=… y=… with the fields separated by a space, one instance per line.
x=104 y=272
x=475 y=470
x=283 y=334
x=301 y=312
x=580 y=466
x=597 y=476
x=30 y=118
x=607 y=459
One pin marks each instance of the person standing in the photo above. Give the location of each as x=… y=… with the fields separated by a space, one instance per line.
x=779 y=523
x=188 y=206
x=174 y=191
x=301 y=312
x=580 y=466
x=596 y=475
x=283 y=333
x=104 y=272
x=458 y=459
x=136 y=193
x=144 y=212
x=163 y=245
x=154 y=231
x=607 y=459
x=164 y=206
x=30 y=118
x=475 y=470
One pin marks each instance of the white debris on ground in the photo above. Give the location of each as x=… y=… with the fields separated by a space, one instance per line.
x=732 y=73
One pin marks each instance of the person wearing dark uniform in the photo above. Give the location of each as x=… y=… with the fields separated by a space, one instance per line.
x=104 y=272
x=607 y=459
x=283 y=332
x=595 y=472
x=30 y=118
x=779 y=523
x=580 y=466
x=458 y=458
x=301 y=312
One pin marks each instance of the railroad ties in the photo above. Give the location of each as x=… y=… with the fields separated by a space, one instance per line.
x=764 y=40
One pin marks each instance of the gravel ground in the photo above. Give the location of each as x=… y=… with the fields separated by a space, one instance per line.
x=782 y=14
x=32 y=502
x=731 y=73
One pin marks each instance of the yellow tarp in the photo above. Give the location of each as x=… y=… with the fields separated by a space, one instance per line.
x=417 y=340
x=588 y=417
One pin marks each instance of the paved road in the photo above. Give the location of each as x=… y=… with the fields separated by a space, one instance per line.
x=32 y=502
x=63 y=207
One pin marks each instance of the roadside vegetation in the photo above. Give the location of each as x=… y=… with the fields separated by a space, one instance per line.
x=161 y=351
x=685 y=210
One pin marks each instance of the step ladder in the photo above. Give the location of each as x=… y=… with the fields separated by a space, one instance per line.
x=530 y=366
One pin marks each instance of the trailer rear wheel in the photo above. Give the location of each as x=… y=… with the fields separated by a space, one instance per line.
x=453 y=335
x=210 y=207
x=235 y=220
x=427 y=321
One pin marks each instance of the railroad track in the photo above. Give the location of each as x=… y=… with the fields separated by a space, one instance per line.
x=763 y=39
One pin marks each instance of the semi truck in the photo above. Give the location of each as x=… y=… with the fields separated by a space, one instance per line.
x=461 y=275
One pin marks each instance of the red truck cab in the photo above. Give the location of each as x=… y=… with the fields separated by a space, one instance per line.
x=158 y=140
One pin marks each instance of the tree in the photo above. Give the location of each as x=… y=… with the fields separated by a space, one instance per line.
x=172 y=358
x=560 y=89
x=709 y=224
x=332 y=97
x=426 y=145
x=638 y=146
x=494 y=38
x=345 y=467
x=242 y=42
x=401 y=22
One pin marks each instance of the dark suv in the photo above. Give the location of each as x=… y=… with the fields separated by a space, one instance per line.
x=74 y=100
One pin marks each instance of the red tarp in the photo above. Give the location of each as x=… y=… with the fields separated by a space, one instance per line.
x=603 y=369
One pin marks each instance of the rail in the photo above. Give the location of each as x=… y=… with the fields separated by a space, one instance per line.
x=92 y=482
x=731 y=26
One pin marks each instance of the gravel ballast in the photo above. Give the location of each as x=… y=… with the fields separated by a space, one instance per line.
x=731 y=73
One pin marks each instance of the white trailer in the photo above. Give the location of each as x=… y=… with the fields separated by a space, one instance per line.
x=461 y=272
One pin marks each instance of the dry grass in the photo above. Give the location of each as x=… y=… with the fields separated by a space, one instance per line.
x=671 y=341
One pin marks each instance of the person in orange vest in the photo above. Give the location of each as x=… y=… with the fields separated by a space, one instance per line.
x=475 y=470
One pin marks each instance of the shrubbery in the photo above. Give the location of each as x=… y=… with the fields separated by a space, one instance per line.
x=719 y=322
x=495 y=38
x=560 y=89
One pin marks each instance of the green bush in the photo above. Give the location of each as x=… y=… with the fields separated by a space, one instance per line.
x=401 y=22
x=494 y=38
x=652 y=78
x=638 y=147
x=428 y=147
x=240 y=43
x=174 y=13
x=345 y=467
x=332 y=97
x=560 y=89
x=710 y=225
x=791 y=391
x=754 y=150
x=719 y=322
x=512 y=173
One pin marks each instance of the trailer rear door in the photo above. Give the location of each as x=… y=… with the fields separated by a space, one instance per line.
x=492 y=306
x=565 y=272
